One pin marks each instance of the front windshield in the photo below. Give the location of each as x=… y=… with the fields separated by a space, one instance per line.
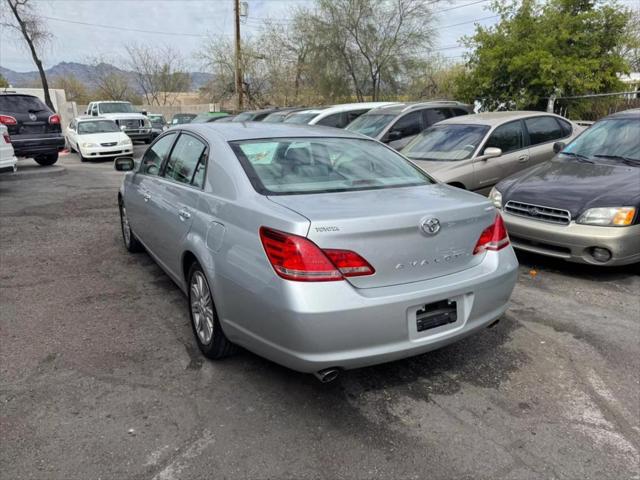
x=97 y=126
x=301 y=118
x=117 y=107
x=446 y=142
x=615 y=137
x=156 y=119
x=370 y=125
x=283 y=166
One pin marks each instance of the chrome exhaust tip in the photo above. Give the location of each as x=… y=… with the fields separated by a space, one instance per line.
x=327 y=375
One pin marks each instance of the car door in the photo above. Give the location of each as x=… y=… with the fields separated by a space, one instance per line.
x=508 y=137
x=72 y=140
x=180 y=187
x=543 y=132
x=404 y=129
x=141 y=200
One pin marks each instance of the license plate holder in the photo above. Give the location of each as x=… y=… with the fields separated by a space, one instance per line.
x=436 y=314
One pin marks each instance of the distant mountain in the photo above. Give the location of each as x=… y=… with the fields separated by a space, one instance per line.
x=84 y=73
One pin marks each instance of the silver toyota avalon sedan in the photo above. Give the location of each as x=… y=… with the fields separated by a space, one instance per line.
x=317 y=248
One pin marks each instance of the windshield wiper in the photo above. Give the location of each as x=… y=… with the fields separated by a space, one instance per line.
x=579 y=156
x=627 y=160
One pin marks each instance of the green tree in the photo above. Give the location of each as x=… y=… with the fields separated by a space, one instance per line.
x=536 y=51
x=3 y=82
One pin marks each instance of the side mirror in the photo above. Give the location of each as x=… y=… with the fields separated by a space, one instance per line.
x=492 y=152
x=394 y=135
x=144 y=112
x=123 y=164
x=558 y=147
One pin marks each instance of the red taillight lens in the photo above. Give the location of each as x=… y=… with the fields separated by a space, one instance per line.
x=54 y=119
x=7 y=120
x=494 y=237
x=297 y=258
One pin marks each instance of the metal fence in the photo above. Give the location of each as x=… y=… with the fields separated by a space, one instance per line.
x=594 y=107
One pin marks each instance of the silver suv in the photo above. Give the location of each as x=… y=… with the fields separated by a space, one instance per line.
x=397 y=124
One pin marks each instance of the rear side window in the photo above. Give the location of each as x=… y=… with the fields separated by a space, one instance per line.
x=187 y=154
x=543 y=129
x=21 y=103
x=334 y=120
x=155 y=155
x=410 y=124
x=434 y=115
x=507 y=137
x=283 y=166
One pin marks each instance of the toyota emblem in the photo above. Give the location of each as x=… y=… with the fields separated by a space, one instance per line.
x=430 y=226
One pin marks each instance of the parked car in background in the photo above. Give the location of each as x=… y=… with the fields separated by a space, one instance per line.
x=33 y=127
x=134 y=123
x=397 y=124
x=228 y=118
x=475 y=152
x=158 y=124
x=182 y=118
x=338 y=116
x=351 y=256
x=583 y=205
x=281 y=114
x=254 y=115
x=8 y=161
x=209 y=117
x=97 y=137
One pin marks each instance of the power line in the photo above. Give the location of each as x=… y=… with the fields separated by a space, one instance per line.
x=469 y=21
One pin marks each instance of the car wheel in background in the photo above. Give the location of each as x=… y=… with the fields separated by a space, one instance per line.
x=46 y=160
x=131 y=243
x=204 y=320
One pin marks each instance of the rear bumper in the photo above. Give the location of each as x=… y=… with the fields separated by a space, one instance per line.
x=29 y=147
x=8 y=163
x=574 y=242
x=313 y=326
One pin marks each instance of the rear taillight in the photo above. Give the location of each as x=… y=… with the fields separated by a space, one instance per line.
x=494 y=237
x=54 y=119
x=297 y=258
x=7 y=120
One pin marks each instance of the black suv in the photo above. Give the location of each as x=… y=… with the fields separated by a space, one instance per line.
x=34 y=129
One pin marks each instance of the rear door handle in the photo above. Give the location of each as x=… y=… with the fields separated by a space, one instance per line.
x=523 y=158
x=184 y=214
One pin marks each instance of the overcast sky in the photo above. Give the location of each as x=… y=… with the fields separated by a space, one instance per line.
x=186 y=23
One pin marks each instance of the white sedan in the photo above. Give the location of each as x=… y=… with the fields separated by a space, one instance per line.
x=8 y=160
x=96 y=137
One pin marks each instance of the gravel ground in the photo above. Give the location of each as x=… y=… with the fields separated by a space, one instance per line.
x=100 y=377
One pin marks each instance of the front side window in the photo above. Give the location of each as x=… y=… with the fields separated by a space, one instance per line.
x=155 y=155
x=370 y=124
x=334 y=120
x=97 y=126
x=508 y=137
x=543 y=129
x=410 y=124
x=283 y=166
x=185 y=157
x=446 y=142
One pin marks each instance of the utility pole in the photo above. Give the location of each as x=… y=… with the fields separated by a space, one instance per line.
x=239 y=83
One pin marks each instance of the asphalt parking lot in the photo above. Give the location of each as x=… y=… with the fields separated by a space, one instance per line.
x=101 y=378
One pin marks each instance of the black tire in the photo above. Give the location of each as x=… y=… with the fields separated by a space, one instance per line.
x=83 y=159
x=131 y=243
x=218 y=345
x=46 y=160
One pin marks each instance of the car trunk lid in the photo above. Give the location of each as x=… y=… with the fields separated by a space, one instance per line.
x=385 y=227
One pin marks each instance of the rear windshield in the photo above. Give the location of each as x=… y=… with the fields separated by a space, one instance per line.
x=370 y=125
x=446 y=142
x=97 y=126
x=117 y=107
x=284 y=166
x=21 y=103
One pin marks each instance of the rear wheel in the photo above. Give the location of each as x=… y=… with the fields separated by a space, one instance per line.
x=211 y=339
x=131 y=243
x=46 y=160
